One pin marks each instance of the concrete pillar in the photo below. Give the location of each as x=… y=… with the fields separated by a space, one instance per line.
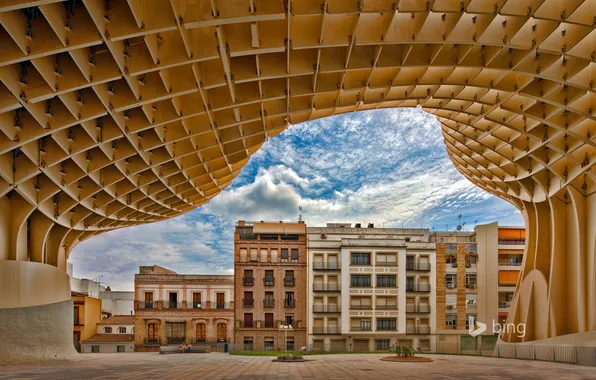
x=36 y=312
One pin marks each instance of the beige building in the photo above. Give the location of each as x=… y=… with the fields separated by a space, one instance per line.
x=370 y=288
x=270 y=286
x=172 y=308
x=114 y=334
x=476 y=277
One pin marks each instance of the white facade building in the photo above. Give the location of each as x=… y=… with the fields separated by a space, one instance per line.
x=370 y=288
x=117 y=302
x=114 y=334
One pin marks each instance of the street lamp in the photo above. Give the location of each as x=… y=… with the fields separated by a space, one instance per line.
x=285 y=328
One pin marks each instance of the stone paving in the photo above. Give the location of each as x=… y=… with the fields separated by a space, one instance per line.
x=351 y=366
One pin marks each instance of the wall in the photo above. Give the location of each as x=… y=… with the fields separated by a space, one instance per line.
x=108 y=347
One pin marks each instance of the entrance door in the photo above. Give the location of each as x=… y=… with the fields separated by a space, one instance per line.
x=201 y=333
x=152 y=333
x=222 y=332
x=221 y=300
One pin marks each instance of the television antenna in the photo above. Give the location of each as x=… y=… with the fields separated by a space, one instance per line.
x=299 y=214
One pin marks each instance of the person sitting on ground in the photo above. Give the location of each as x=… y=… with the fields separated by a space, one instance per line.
x=183 y=348
x=189 y=347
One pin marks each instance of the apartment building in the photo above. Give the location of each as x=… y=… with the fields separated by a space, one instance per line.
x=370 y=288
x=270 y=285
x=477 y=273
x=172 y=308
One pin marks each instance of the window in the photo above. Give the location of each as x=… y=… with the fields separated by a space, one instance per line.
x=248 y=277
x=76 y=316
x=289 y=279
x=253 y=254
x=152 y=333
x=269 y=301
x=269 y=321
x=290 y=343
x=173 y=297
x=451 y=281
x=386 y=259
x=107 y=330
x=148 y=300
x=386 y=324
x=289 y=300
x=386 y=281
x=362 y=281
x=248 y=343
x=95 y=349
x=221 y=300
x=365 y=325
x=471 y=280
x=290 y=320
x=196 y=300
x=248 y=299
x=269 y=344
x=284 y=255
x=175 y=332
x=269 y=279
x=295 y=255
x=451 y=320
x=248 y=320
x=450 y=259
x=360 y=303
x=121 y=330
x=120 y=348
x=382 y=345
x=263 y=255
x=360 y=259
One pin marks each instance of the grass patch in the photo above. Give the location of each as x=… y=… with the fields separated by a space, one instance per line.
x=307 y=353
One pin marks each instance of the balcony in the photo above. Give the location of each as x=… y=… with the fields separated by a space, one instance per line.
x=422 y=308
x=195 y=305
x=326 y=309
x=512 y=241
x=471 y=307
x=248 y=236
x=247 y=324
x=386 y=307
x=248 y=281
x=418 y=288
x=248 y=302
x=173 y=305
x=326 y=266
x=386 y=263
x=420 y=330
x=146 y=305
x=360 y=307
x=289 y=281
x=268 y=302
x=361 y=328
x=326 y=288
x=391 y=284
x=268 y=281
x=289 y=303
x=422 y=267
x=328 y=330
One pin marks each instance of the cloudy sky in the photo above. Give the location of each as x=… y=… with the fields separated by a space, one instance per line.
x=387 y=167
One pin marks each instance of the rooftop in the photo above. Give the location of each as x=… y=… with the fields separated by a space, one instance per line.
x=110 y=338
x=118 y=320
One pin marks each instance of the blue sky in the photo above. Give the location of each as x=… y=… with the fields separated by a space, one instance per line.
x=386 y=167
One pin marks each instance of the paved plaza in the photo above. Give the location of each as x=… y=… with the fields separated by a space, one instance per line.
x=352 y=366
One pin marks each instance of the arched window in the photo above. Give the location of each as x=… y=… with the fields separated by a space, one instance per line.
x=107 y=330
x=152 y=333
x=121 y=330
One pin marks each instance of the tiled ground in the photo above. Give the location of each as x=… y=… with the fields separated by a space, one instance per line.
x=353 y=366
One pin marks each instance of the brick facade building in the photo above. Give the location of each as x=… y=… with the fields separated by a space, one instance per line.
x=270 y=280
x=173 y=308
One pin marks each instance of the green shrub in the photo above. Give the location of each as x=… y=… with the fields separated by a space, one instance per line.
x=403 y=351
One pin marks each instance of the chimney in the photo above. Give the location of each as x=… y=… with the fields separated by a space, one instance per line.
x=371 y=225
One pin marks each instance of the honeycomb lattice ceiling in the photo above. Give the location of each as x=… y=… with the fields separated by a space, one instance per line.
x=117 y=113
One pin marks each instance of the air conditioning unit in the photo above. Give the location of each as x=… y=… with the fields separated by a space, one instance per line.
x=323 y=236
x=454 y=265
x=450 y=286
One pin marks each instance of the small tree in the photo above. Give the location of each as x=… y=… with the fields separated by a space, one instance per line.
x=402 y=351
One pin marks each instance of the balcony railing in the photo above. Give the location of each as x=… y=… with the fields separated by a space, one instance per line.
x=248 y=281
x=360 y=307
x=418 y=330
x=289 y=303
x=289 y=281
x=326 y=330
x=326 y=266
x=386 y=307
x=418 y=266
x=326 y=309
x=247 y=324
x=361 y=328
x=386 y=284
x=269 y=281
x=509 y=264
x=471 y=285
x=268 y=302
x=151 y=341
x=173 y=305
x=418 y=288
x=512 y=241
x=146 y=305
x=386 y=263
x=386 y=328
x=422 y=308
x=248 y=302
x=326 y=288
